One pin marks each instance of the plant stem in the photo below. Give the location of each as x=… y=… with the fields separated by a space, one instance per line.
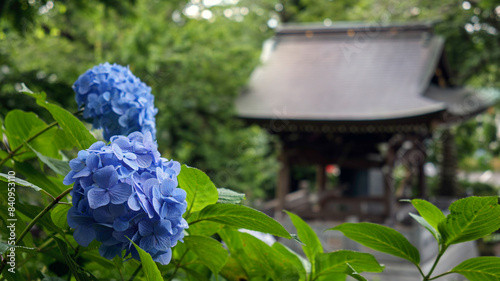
x=440 y=275
x=13 y=152
x=440 y=254
x=178 y=265
x=37 y=218
x=135 y=272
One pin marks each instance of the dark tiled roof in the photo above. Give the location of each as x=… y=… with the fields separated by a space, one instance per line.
x=346 y=73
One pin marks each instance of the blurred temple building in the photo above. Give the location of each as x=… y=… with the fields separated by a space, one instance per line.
x=363 y=97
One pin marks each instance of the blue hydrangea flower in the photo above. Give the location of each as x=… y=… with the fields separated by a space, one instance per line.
x=115 y=100
x=125 y=190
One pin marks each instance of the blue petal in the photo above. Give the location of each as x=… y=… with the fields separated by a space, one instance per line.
x=93 y=161
x=106 y=177
x=120 y=225
x=117 y=151
x=144 y=160
x=85 y=172
x=147 y=243
x=164 y=258
x=146 y=228
x=76 y=164
x=168 y=186
x=119 y=193
x=98 y=197
x=84 y=235
x=68 y=179
x=133 y=203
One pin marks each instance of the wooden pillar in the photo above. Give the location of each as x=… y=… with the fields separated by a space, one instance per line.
x=283 y=187
x=320 y=178
x=422 y=185
x=448 y=180
x=390 y=199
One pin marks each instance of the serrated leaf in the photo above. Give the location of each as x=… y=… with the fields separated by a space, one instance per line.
x=427 y=226
x=470 y=219
x=480 y=269
x=151 y=272
x=227 y=196
x=429 y=212
x=380 y=238
x=58 y=166
x=340 y=261
x=78 y=272
x=5 y=178
x=209 y=251
x=239 y=216
x=200 y=190
x=308 y=237
x=59 y=215
x=277 y=266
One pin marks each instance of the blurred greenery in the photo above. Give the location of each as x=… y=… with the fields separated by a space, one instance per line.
x=198 y=55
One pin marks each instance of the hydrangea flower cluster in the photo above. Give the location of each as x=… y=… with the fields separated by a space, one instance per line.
x=125 y=190
x=116 y=101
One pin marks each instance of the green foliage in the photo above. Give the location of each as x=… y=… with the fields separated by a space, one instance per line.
x=380 y=238
x=347 y=262
x=470 y=219
x=201 y=192
x=59 y=214
x=228 y=196
x=151 y=272
x=312 y=245
x=239 y=216
x=480 y=268
x=209 y=251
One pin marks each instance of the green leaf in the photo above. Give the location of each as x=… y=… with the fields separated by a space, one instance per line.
x=6 y=247
x=74 y=128
x=277 y=266
x=59 y=215
x=470 y=219
x=242 y=217
x=351 y=272
x=78 y=272
x=480 y=269
x=429 y=227
x=227 y=196
x=251 y=269
x=36 y=177
x=429 y=212
x=18 y=181
x=149 y=267
x=200 y=190
x=76 y=132
x=308 y=237
x=297 y=261
x=205 y=228
x=232 y=270
x=60 y=167
x=209 y=251
x=21 y=125
x=340 y=261
x=380 y=238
